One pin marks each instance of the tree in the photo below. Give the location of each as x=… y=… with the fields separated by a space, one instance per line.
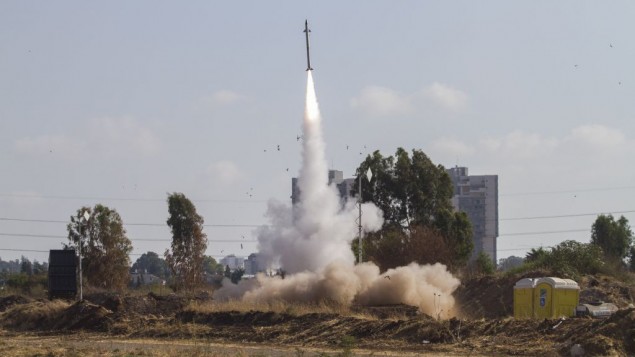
x=423 y=245
x=536 y=255
x=414 y=193
x=614 y=237
x=105 y=246
x=484 y=264
x=228 y=271
x=237 y=274
x=188 y=242
x=510 y=262
x=25 y=266
x=210 y=266
x=151 y=263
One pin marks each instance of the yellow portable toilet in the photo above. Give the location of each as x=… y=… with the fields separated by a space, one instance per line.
x=555 y=297
x=523 y=298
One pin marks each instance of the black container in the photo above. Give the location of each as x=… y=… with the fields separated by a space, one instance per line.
x=62 y=274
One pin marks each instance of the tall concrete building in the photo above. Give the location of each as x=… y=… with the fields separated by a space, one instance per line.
x=255 y=264
x=233 y=262
x=477 y=196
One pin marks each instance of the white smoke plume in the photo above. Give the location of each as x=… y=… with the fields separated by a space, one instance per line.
x=311 y=243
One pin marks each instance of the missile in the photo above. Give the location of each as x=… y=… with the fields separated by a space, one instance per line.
x=308 y=57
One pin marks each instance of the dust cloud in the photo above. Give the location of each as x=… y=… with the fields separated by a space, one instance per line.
x=311 y=243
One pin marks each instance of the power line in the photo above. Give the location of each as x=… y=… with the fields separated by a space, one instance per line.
x=535 y=193
x=544 y=232
x=565 y=215
x=97 y=198
x=202 y=200
x=135 y=224
x=132 y=239
x=46 y=251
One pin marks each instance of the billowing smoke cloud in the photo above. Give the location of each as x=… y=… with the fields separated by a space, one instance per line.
x=311 y=243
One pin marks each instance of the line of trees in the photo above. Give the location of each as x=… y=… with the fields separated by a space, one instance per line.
x=611 y=251
x=105 y=247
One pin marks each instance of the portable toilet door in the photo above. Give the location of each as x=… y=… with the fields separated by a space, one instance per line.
x=523 y=298
x=566 y=297
x=543 y=299
x=555 y=297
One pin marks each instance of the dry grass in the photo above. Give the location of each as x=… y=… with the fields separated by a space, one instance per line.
x=93 y=346
x=281 y=307
x=26 y=316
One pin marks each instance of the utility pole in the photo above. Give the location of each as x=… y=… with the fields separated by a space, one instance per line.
x=86 y=216
x=369 y=176
x=359 y=221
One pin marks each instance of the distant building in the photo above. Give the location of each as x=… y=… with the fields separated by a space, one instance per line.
x=336 y=177
x=233 y=262
x=144 y=279
x=477 y=196
x=255 y=264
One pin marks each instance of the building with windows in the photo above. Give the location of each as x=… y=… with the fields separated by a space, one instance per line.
x=255 y=264
x=233 y=262
x=477 y=196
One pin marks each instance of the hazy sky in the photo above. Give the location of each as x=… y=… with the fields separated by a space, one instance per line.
x=121 y=102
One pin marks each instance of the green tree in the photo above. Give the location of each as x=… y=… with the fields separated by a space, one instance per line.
x=536 y=255
x=413 y=194
x=210 y=266
x=188 y=242
x=509 y=263
x=569 y=259
x=236 y=275
x=105 y=246
x=484 y=264
x=151 y=263
x=614 y=237
x=26 y=266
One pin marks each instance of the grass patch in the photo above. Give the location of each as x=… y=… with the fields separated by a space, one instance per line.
x=281 y=307
x=28 y=316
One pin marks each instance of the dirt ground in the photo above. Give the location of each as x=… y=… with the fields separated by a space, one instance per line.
x=486 y=327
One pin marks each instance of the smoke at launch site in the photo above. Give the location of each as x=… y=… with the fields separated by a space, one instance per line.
x=311 y=242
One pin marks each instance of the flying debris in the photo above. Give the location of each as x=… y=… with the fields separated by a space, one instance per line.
x=278 y=147
x=241 y=246
x=387 y=277
x=308 y=57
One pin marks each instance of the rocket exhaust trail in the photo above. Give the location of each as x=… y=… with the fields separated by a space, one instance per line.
x=311 y=242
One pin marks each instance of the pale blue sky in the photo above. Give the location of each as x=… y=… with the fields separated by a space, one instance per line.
x=120 y=102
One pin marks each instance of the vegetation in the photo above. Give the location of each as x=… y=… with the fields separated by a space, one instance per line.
x=151 y=263
x=484 y=265
x=415 y=197
x=569 y=259
x=188 y=243
x=614 y=237
x=104 y=246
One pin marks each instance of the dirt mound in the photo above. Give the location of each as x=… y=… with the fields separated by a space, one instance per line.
x=397 y=311
x=605 y=288
x=150 y=304
x=11 y=300
x=612 y=336
x=82 y=316
x=56 y=315
x=33 y=315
